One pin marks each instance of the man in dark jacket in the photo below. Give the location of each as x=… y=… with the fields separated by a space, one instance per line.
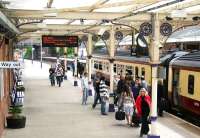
x=120 y=88
x=96 y=83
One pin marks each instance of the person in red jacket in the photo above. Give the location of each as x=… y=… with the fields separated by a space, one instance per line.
x=143 y=105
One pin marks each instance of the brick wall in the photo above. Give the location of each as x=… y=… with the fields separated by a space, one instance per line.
x=5 y=55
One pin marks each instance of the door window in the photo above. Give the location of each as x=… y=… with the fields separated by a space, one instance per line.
x=191 y=84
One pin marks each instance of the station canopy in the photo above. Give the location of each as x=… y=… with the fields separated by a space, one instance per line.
x=34 y=18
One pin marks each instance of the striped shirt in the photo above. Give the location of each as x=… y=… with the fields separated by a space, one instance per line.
x=103 y=88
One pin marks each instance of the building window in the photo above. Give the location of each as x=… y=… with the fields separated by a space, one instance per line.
x=1 y=84
x=136 y=72
x=191 y=84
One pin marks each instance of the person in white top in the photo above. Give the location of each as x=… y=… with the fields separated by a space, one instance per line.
x=84 y=85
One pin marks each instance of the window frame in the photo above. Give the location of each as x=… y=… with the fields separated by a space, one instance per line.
x=191 y=80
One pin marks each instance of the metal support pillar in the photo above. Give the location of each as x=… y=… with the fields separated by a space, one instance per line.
x=89 y=57
x=111 y=54
x=75 y=65
x=155 y=61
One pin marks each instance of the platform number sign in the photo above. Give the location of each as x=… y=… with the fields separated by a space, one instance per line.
x=146 y=29
x=166 y=29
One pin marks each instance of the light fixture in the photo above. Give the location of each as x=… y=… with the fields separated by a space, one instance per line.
x=179 y=14
x=81 y=21
x=41 y=25
x=168 y=18
x=50 y=15
x=196 y=18
x=101 y=31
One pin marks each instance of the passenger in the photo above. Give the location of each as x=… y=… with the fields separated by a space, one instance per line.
x=120 y=88
x=144 y=83
x=143 y=104
x=84 y=85
x=96 y=84
x=59 y=74
x=103 y=89
x=52 y=75
x=136 y=88
x=128 y=104
x=161 y=100
x=73 y=68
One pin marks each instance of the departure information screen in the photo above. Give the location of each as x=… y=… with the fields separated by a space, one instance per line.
x=59 y=41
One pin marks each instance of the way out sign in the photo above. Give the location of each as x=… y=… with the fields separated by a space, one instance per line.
x=11 y=64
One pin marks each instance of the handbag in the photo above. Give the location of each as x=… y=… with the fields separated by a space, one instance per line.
x=135 y=118
x=89 y=92
x=120 y=115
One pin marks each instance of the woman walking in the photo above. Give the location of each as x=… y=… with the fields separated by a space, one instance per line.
x=143 y=104
x=128 y=103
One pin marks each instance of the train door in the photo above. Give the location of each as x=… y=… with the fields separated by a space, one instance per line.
x=175 y=87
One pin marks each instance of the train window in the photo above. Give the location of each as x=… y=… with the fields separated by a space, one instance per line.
x=136 y=72
x=100 y=66
x=95 y=65
x=129 y=70
x=191 y=84
x=115 y=68
x=143 y=71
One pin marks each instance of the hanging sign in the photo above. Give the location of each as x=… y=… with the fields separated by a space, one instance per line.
x=11 y=64
x=59 y=41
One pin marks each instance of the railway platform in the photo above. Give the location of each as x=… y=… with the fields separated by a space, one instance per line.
x=56 y=112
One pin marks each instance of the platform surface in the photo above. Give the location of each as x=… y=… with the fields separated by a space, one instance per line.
x=54 y=112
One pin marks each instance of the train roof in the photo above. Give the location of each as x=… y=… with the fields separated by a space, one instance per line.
x=188 y=60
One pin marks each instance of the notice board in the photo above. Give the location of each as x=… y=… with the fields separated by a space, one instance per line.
x=59 y=41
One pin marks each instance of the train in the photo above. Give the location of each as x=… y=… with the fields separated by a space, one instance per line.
x=179 y=72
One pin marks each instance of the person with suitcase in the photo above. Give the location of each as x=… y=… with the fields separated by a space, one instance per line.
x=103 y=89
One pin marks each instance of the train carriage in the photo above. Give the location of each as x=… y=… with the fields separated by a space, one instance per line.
x=183 y=83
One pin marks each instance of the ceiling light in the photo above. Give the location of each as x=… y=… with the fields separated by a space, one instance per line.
x=41 y=25
x=50 y=15
x=101 y=31
x=168 y=18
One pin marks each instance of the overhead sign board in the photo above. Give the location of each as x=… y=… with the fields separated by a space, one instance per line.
x=11 y=64
x=59 y=41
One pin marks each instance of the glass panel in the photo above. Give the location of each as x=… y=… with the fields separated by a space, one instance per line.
x=191 y=84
